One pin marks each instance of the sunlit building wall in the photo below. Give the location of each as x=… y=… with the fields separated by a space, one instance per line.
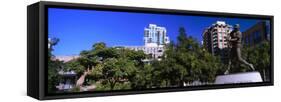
x=155 y=39
x=214 y=37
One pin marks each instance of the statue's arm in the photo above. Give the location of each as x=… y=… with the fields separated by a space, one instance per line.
x=233 y=39
x=237 y=37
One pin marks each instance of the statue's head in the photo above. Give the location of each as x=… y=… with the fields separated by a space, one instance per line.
x=236 y=27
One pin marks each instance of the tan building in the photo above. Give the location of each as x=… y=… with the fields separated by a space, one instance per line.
x=214 y=37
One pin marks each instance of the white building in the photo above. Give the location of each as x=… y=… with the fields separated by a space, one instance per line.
x=155 y=39
x=68 y=81
x=155 y=36
x=155 y=52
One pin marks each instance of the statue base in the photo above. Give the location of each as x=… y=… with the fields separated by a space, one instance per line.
x=246 y=77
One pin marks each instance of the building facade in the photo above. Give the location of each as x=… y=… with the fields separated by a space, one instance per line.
x=155 y=52
x=155 y=39
x=256 y=34
x=155 y=36
x=68 y=80
x=214 y=38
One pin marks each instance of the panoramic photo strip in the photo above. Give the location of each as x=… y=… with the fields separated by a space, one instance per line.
x=92 y=50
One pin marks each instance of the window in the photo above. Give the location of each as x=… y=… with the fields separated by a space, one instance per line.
x=146 y=33
x=220 y=45
x=220 y=37
x=257 y=36
x=246 y=41
x=149 y=40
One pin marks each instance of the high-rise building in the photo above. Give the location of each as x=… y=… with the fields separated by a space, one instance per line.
x=214 y=38
x=155 y=36
x=155 y=39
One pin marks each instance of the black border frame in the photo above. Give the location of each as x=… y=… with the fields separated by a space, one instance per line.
x=43 y=48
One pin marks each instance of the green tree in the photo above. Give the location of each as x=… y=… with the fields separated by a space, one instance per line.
x=186 y=61
x=99 y=46
x=111 y=66
x=53 y=67
x=74 y=65
x=142 y=78
x=117 y=71
x=254 y=54
x=209 y=65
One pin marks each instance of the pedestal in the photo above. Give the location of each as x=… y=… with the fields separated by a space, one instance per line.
x=245 y=77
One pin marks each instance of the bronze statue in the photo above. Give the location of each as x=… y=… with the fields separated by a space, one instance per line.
x=234 y=41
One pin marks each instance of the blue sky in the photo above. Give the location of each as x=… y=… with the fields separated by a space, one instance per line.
x=79 y=29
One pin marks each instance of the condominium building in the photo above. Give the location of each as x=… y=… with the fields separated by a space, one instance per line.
x=155 y=36
x=155 y=39
x=214 y=37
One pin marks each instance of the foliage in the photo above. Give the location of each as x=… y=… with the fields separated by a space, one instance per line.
x=74 y=65
x=110 y=66
x=186 y=61
x=53 y=67
x=254 y=54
